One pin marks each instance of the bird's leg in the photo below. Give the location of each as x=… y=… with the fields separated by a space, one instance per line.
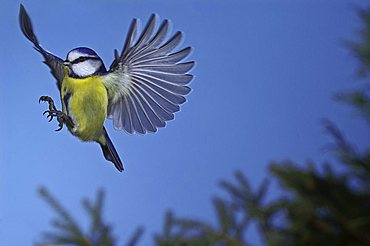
x=53 y=112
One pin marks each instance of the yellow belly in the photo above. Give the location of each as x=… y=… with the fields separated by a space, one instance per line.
x=87 y=106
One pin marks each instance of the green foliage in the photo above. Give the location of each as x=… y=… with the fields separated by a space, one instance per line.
x=360 y=98
x=318 y=205
x=361 y=48
x=68 y=232
x=234 y=215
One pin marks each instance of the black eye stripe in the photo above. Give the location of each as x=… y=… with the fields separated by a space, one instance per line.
x=84 y=58
x=80 y=59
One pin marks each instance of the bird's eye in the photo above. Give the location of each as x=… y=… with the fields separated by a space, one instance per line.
x=80 y=59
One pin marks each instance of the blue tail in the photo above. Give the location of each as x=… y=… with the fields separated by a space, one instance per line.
x=110 y=152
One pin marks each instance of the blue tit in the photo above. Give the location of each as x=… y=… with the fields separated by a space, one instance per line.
x=143 y=88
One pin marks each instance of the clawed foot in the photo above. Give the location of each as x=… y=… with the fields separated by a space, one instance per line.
x=53 y=112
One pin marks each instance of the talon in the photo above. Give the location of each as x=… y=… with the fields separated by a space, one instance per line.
x=45 y=98
x=53 y=112
x=61 y=119
x=41 y=99
x=50 y=114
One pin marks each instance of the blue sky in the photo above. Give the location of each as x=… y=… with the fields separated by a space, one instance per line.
x=265 y=77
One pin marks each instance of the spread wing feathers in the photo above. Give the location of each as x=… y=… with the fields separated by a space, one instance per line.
x=54 y=62
x=146 y=83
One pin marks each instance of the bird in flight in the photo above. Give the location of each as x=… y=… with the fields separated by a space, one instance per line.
x=143 y=88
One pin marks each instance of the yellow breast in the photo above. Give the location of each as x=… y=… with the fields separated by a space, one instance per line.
x=85 y=101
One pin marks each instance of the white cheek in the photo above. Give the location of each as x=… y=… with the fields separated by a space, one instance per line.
x=83 y=69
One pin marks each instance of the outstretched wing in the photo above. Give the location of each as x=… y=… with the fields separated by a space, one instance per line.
x=55 y=63
x=147 y=82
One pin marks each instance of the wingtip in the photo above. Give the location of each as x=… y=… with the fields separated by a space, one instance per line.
x=26 y=25
x=191 y=65
x=153 y=16
x=21 y=7
x=178 y=35
x=189 y=49
x=22 y=13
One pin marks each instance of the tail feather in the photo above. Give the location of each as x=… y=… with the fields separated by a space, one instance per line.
x=110 y=152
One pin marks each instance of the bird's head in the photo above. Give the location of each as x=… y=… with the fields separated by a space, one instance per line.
x=83 y=62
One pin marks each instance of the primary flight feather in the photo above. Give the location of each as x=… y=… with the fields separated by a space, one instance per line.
x=143 y=88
